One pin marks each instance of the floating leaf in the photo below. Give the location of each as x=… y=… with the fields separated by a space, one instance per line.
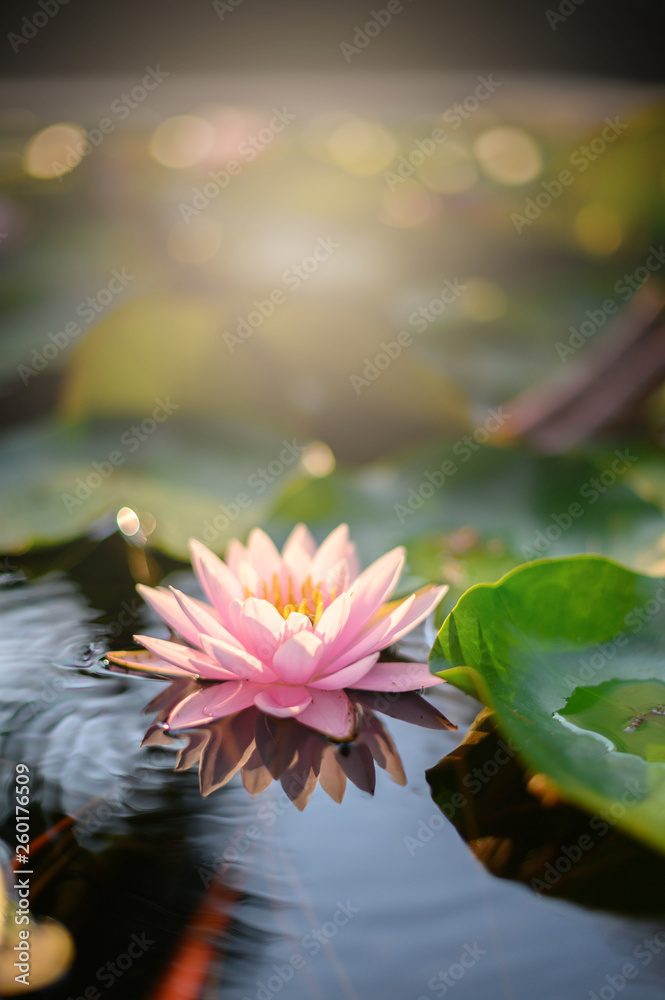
x=570 y=654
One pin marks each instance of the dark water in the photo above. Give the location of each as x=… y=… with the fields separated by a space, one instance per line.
x=376 y=897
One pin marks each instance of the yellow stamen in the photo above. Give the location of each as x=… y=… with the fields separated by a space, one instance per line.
x=317 y=615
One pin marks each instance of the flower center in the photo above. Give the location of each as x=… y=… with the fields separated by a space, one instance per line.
x=306 y=599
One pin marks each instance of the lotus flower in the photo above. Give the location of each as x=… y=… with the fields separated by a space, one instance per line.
x=294 y=636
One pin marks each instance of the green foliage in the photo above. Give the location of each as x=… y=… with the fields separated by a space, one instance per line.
x=570 y=655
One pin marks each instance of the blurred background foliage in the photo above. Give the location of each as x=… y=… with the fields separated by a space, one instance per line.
x=362 y=439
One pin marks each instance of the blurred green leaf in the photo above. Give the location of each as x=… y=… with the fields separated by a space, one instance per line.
x=195 y=479
x=511 y=507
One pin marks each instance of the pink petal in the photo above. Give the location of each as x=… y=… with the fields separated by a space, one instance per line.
x=333 y=619
x=263 y=555
x=372 y=589
x=189 y=712
x=202 y=619
x=248 y=577
x=425 y=601
x=338 y=578
x=351 y=676
x=202 y=706
x=164 y=603
x=392 y=626
x=261 y=626
x=283 y=702
x=331 y=550
x=299 y=539
x=218 y=582
x=330 y=712
x=222 y=700
x=298 y=552
x=353 y=561
x=190 y=660
x=398 y=677
x=297 y=658
x=242 y=664
x=235 y=554
x=371 y=638
x=296 y=622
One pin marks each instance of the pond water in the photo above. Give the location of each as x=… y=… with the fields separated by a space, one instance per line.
x=375 y=897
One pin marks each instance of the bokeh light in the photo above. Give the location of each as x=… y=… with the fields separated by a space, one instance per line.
x=55 y=150
x=128 y=521
x=231 y=126
x=508 y=155
x=182 y=141
x=362 y=147
x=318 y=459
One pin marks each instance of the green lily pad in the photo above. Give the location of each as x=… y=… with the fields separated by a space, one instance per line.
x=570 y=654
x=186 y=479
x=518 y=503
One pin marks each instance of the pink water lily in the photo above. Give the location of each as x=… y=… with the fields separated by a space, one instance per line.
x=288 y=633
